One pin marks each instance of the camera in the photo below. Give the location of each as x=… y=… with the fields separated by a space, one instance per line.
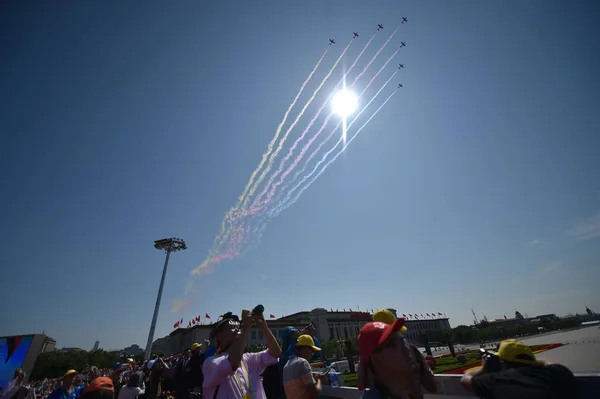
x=491 y=362
x=258 y=309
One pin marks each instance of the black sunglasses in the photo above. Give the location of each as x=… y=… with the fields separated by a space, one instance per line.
x=227 y=319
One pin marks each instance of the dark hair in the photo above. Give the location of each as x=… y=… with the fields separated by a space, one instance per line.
x=221 y=322
x=219 y=325
x=380 y=386
x=134 y=380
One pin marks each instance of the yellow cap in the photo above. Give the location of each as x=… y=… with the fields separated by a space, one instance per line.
x=195 y=346
x=306 y=340
x=514 y=351
x=69 y=372
x=387 y=317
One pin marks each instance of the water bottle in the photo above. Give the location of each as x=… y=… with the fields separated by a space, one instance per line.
x=333 y=380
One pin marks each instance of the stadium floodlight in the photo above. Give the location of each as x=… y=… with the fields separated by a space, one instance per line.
x=168 y=245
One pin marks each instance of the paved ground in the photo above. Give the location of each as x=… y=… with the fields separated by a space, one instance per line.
x=581 y=354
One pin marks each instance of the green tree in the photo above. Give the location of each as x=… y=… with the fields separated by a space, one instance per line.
x=448 y=342
x=55 y=364
x=331 y=348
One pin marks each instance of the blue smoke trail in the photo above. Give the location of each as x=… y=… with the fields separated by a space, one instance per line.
x=276 y=212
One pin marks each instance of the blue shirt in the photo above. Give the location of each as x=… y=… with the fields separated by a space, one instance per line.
x=60 y=393
x=210 y=351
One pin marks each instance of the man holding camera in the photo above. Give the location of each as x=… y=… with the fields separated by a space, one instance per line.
x=231 y=373
x=515 y=373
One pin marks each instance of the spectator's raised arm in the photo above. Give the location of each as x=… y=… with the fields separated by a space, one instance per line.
x=272 y=343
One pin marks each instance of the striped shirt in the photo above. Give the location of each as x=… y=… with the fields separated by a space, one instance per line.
x=297 y=376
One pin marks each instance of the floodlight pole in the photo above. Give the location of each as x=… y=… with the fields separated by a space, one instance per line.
x=169 y=245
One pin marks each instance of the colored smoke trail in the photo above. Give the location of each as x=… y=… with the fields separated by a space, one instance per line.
x=180 y=306
x=285 y=136
x=237 y=235
x=314 y=153
x=283 y=203
x=221 y=237
x=280 y=127
x=257 y=202
x=376 y=54
x=334 y=158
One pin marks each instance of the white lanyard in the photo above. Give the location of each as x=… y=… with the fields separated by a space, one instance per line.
x=246 y=378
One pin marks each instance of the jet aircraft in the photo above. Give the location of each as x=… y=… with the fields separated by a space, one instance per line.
x=402 y=44
x=404 y=20
x=379 y=27
x=400 y=85
x=401 y=66
x=355 y=34
x=331 y=41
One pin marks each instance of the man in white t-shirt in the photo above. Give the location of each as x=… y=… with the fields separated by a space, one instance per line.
x=231 y=373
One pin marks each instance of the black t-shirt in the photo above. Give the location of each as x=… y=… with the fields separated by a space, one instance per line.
x=272 y=381
x=529 y=382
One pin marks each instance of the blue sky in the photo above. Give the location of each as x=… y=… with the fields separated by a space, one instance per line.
x=476 y=186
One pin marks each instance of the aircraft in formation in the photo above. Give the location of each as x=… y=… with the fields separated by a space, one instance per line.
x=401 y=66
x=404 y=20
x=379 y=27
x=355 y=34
x=400 y=85
x=331 y=41
x=402 y=44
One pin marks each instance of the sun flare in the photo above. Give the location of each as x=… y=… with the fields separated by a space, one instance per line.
x=344 y=103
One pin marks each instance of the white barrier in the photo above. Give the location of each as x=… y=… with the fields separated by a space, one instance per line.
x=448 y=387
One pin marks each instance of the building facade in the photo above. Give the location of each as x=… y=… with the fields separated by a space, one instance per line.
x=329 y=326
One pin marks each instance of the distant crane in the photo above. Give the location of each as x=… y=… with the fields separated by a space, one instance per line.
x=474 y=317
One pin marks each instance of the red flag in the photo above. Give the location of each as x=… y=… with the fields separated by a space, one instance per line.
x=207 y=316
x=175 y=325
x=197 y=318
x=404 y=315
x=272 y=316
x=439 y=314
x=427 y=314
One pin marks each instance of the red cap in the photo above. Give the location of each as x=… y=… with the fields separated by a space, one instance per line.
x=100 y=383
x=371 y=336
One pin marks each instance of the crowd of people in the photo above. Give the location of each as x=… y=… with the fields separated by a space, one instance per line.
x=389 y=367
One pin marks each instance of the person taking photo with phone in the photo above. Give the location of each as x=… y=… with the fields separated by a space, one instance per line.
x=231 y=373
